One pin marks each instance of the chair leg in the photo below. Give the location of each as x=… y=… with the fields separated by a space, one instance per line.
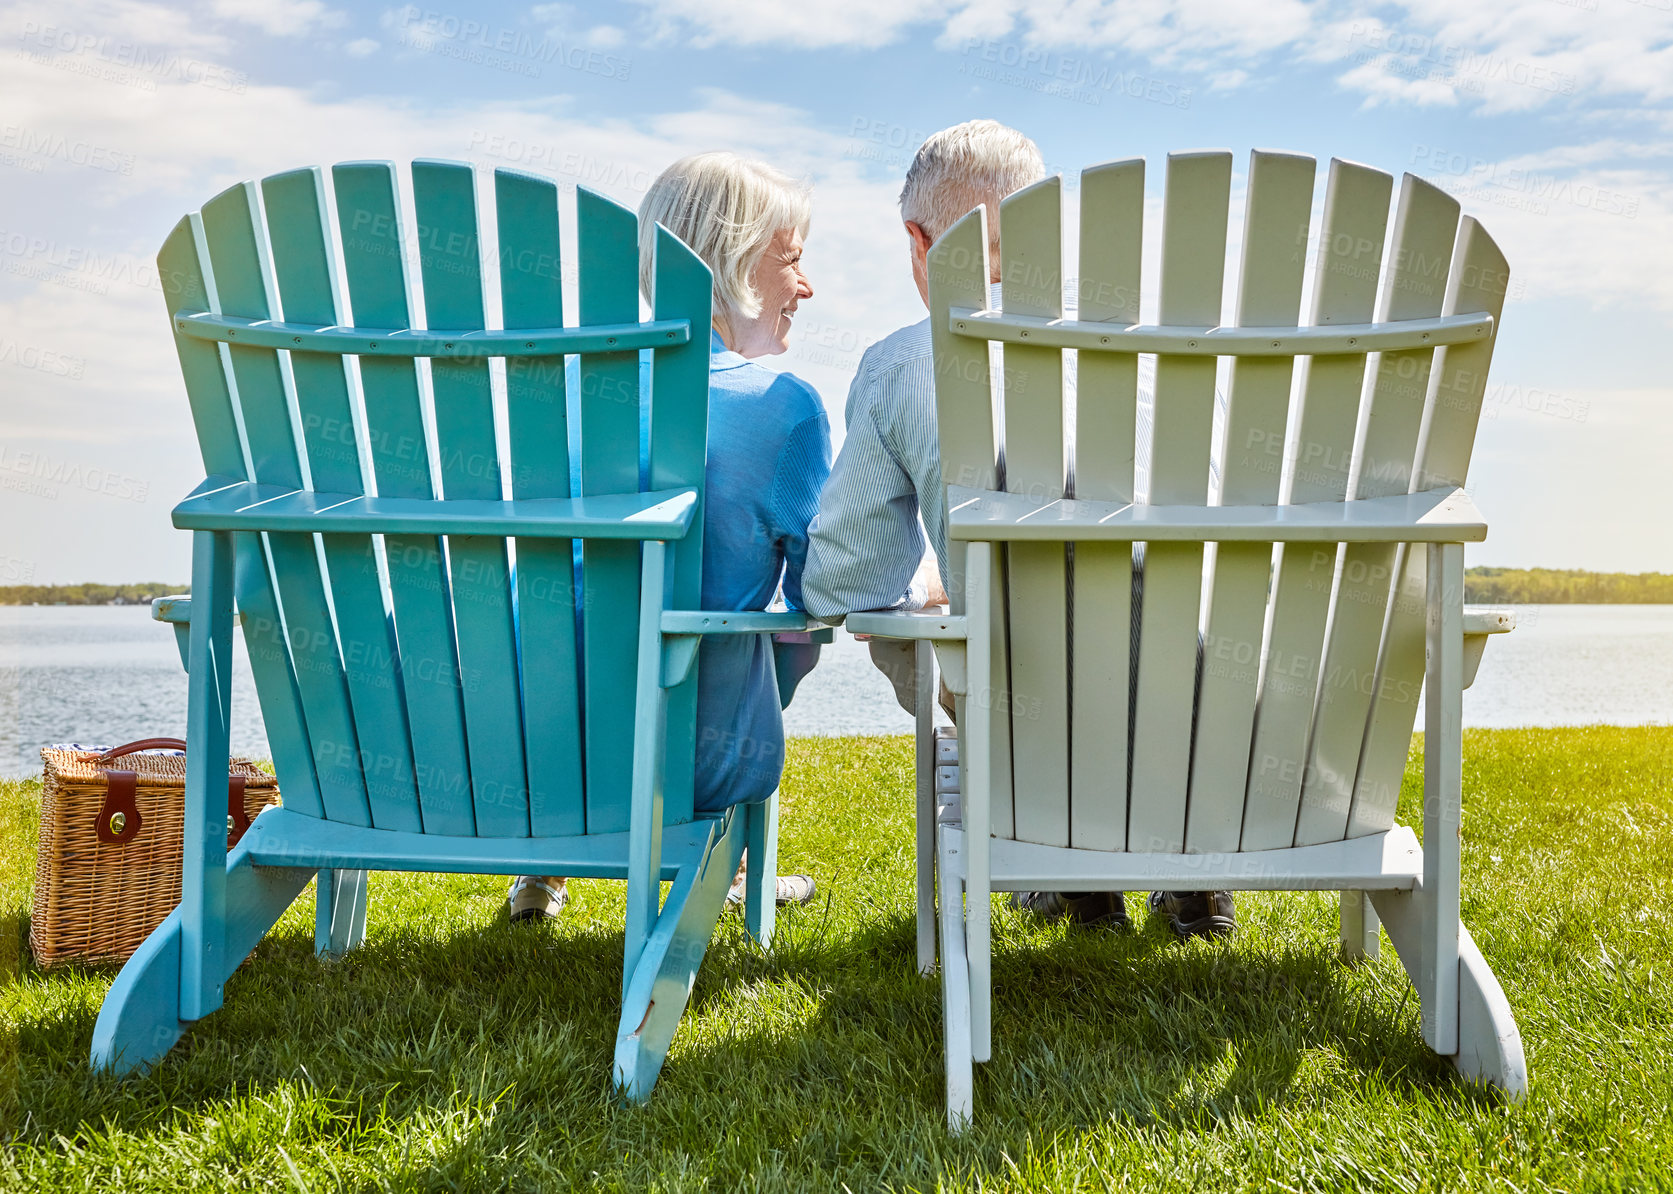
x=761 y=869
x=660 y=985
x=978 y=948
x=925 y=769
x=1443 y=791
x=140 y=1021
x=1360 y=941
x=955 y=1000
x=339 y=912
x=204 y=911
x=1489 y=1043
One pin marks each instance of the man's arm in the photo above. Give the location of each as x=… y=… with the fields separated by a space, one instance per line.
x=865 y=546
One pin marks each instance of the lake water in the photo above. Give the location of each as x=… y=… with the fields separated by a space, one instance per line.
x=108 y=674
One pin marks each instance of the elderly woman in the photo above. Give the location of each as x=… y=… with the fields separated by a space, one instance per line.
x=769 y=454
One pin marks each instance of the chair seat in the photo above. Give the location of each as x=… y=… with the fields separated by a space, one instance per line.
x=1388 y=861
x=282 y=838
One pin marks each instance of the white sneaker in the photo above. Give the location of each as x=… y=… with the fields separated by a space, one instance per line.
x=790 y=889
x=532 y=898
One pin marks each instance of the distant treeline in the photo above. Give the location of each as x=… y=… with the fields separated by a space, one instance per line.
x=1494 y=586
x=85 y=594
x=1552 y=586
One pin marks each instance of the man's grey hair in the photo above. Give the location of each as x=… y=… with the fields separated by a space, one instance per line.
x=974 y=163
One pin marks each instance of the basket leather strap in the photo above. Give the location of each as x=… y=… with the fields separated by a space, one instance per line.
x=116 y=752
x=119 y=798
x=235 y=810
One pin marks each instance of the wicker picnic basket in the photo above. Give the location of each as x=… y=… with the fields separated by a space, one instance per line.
x=108 y=869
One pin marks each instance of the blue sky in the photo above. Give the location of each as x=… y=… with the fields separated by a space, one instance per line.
x=1551 y=121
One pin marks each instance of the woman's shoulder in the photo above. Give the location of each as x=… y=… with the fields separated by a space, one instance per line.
x=791 y=394
x=799 y=394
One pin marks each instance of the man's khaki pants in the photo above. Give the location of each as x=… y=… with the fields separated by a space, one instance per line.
x=896 y=659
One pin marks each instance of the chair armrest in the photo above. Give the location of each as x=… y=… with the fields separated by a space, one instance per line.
x=932 y=623
x=944 y=631
x=1443 y=515
x=1486 y=619
x=702 y=621
x=821 y=635
x=176 y=609
x=242 y=506
x=1479 y=622
x=177 y=612
x=684 y=629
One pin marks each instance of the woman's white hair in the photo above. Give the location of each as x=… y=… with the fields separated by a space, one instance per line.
x=977 y=162
x=727 y=208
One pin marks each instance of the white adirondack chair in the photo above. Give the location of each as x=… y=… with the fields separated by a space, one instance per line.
x=1245 y=724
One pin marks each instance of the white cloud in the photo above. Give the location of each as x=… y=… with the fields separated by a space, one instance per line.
x=1380 y=84
x=563 y=20
x=1514 y=55
x=978 y=21
x=1191 y=33
x=110 y=29
x=1588 y=223
x=1503 y=55
x=360 y=47
x=1170 y=31
x=280 y=18
x=860 y=24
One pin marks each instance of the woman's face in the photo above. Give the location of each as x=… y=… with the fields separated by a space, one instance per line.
x=779 y=280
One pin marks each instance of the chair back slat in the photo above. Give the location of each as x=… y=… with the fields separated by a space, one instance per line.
x=1195 y=208
x=302 y=256
x=678 y=456
x=610 y=412
x=186 y=288
x=1036 y=597
x=230 y=231
x=1478 y=282
x=1106 y=403
x=450 y=263
x=964 y=418
x=302 y=270
x=1277 y=216
x=375 y=273
x=1426 y=228
x=1425 y=225
x=1321 y=448
x=537 y=411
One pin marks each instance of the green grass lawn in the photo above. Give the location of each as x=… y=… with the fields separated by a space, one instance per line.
x=455 y=1052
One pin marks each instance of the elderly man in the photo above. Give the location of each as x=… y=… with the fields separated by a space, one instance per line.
x=866 y=548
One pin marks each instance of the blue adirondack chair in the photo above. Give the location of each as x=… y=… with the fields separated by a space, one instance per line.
x=430 y=707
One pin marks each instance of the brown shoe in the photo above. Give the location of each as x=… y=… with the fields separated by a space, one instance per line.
x=1078 y=907
x=1196 y=913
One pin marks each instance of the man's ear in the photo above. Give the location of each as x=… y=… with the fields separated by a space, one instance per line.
x=921 y=240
